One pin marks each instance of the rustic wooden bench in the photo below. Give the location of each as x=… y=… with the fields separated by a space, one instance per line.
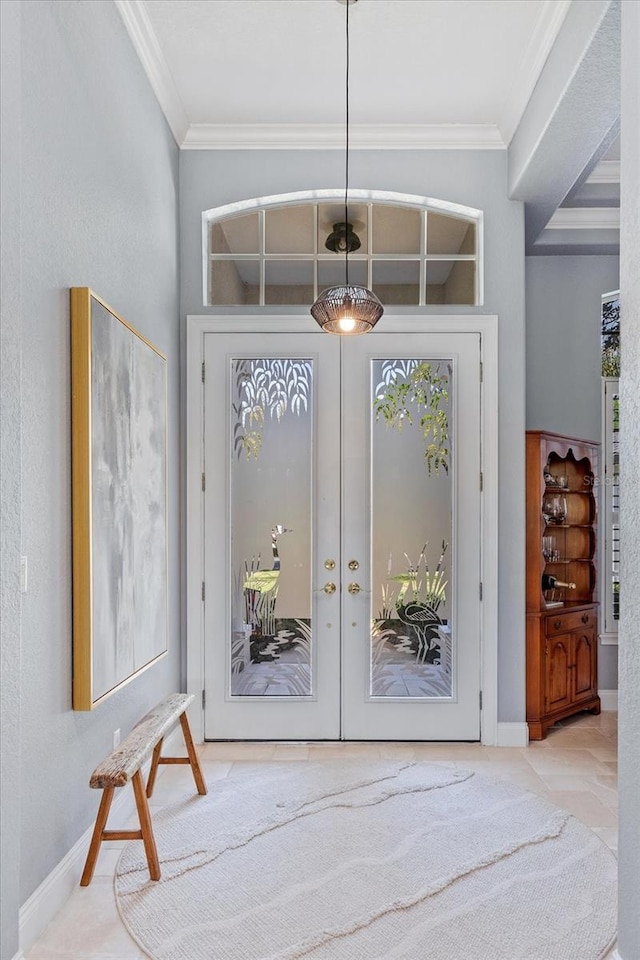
x=125 y=764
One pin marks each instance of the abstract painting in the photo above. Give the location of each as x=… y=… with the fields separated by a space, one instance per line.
x=119 y=496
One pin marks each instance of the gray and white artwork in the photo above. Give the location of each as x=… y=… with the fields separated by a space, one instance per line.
x=128 y=502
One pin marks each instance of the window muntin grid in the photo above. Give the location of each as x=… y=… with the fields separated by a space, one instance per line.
x=399 y=239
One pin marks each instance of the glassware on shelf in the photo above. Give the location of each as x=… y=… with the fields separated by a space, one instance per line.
x=555 y=480
x=554 y=508
x=549 y=550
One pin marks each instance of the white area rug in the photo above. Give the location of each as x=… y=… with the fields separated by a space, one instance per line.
x=341 y=860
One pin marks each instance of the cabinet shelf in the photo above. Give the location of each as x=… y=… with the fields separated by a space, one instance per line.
x=567 y=491
x=553 y=563
x=569 y=526
x=561 y=624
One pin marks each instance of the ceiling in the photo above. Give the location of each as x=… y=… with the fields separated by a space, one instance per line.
x=424 y=73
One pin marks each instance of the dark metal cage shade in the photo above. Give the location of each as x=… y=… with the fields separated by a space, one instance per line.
x=343 y=238
x=347 y=309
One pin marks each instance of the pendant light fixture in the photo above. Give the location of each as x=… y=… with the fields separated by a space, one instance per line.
x=346 y=309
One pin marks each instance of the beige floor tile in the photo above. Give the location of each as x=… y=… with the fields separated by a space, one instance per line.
x=606 y=752
x=506 y=754
x=88 y=926
x=399 y=751
x=238 y=751
x=586 y=807
x=345 y=751
x=607 y=795
x=287 y=751
x=562 y=782
x=108 y=858
x=549 y=766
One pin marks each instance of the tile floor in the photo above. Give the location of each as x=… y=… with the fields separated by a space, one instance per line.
x=575 y=768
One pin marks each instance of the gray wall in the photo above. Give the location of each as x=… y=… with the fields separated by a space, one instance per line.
x=629 y=730
x=99 y=175
x=10 y=347
x=476 y=178
x=563 y=361
x=563 y=342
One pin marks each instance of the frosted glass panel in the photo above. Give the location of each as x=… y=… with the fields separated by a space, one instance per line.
x=411 y=529
x=271 y=522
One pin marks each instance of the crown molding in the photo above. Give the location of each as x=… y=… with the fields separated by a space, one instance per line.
x=542 y=39
x=331 y=136
x=607 y=171
x=585 y=218
x=146 y=45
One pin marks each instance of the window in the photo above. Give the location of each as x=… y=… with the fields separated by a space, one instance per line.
x=610 y=503
x=410 y=251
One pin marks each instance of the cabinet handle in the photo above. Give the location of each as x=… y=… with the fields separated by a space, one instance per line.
x=585 y=618
x=557 y=624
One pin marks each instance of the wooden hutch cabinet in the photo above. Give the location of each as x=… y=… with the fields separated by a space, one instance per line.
x=562 y=612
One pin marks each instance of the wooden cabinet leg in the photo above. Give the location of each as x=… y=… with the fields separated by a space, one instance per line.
x=96 y=839
x=153 y=770
x=145 y=826
x=537 y=730
x=193 y=755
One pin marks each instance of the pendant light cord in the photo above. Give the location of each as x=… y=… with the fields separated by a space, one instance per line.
x=346 y=175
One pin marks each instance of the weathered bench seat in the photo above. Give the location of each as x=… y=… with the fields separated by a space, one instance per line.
x=125 y=764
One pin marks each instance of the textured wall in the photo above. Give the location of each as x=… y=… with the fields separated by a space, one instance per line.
x=563 y=342
x=99 y=172
x=563 y=360
x=478 y=179
x=629 y=786
x=10 y=476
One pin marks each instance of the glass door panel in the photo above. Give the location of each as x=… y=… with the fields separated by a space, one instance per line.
x=271 y=490
x=412 y=480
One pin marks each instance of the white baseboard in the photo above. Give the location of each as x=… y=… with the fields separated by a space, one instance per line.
x=513 y=734
x=38 y=911
x=609 y=699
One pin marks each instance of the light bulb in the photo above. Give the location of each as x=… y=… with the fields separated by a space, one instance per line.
x=346 y=324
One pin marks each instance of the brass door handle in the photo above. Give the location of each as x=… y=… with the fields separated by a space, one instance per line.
x=329 y=588
x=354 y=588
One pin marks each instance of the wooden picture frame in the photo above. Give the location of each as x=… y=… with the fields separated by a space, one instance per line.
x=119 y=500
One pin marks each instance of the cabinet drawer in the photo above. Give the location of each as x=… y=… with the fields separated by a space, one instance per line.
x=565 y=622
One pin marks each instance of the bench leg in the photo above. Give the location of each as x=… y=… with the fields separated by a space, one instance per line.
x=96 y=839
x=193 y=755
x=145 y=825
x=151 y=782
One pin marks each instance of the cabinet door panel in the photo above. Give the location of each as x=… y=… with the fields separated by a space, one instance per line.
x=585 y=652
x=558 y=689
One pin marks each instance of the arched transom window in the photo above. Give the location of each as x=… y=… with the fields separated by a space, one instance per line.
x=273 y=250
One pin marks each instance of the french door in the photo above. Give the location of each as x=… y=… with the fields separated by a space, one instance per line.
x=342 y=536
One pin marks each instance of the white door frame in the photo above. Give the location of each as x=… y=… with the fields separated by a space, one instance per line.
x=487 y=327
